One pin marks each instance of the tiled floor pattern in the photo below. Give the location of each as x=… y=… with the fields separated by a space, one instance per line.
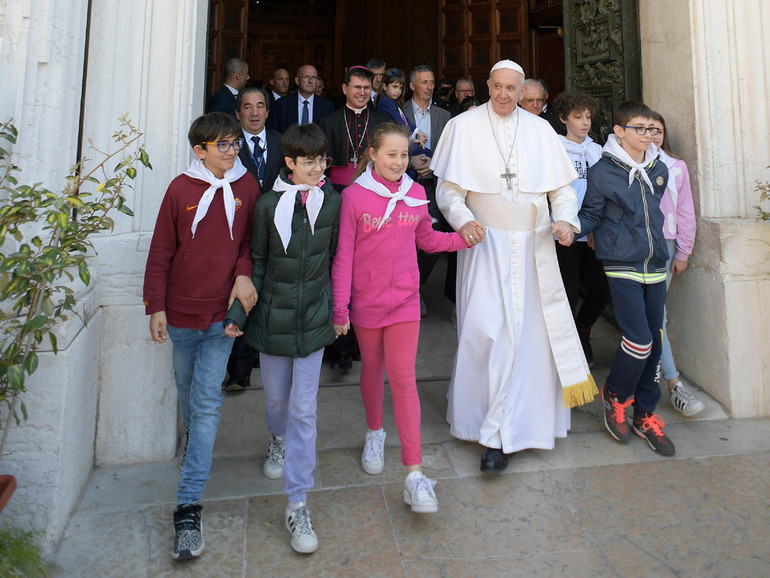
x=590 y=507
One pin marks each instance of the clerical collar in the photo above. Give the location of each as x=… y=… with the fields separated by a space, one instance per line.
x=356 y=110
x=513 y=116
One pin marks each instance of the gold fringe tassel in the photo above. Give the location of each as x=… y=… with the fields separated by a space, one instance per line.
x=580 y=393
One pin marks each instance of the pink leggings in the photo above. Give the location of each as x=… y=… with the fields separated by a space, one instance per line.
x=392 y=349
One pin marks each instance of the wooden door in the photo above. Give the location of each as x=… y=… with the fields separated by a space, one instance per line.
x=228 y=29
x=546 y=44
x=603 y=54
x=475 y=35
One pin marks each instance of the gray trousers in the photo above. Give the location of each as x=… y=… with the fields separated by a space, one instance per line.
x=291 y=389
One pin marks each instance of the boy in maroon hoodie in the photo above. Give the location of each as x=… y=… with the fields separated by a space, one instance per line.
x=199 y=262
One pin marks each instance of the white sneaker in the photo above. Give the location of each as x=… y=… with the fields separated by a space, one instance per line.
x=273 y=467
x=418 y=493
x=298 y=523
x=373 y=458
x=683 y=401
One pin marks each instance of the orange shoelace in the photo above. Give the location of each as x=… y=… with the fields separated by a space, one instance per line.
x=619 y=409
x=654 y=423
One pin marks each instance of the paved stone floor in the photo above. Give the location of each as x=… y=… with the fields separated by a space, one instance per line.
x=590 y=507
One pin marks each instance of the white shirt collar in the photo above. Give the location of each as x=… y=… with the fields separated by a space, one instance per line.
x=231 y=89
x=262 y=137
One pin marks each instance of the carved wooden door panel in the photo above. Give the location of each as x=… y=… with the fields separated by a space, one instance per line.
x=476 y=34
x=228 y=28
x=602 y=54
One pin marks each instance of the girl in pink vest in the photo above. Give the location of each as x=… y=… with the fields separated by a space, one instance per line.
x=383 y=221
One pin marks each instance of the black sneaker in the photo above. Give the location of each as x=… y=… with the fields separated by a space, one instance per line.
x=188 y=540
x=615 y=415
x=649 y=427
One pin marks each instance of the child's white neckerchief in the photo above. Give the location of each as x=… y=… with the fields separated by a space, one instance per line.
x=197 y=170
x=368 y=181
x=284 y=210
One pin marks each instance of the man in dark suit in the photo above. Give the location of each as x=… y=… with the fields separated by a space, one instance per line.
x=534 y=99
x=279 y=85
x=236 y=77
x=302 y=107
x=431 y=120
x=262 y=156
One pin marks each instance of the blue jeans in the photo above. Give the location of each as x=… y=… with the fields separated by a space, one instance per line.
x=666 y=356
x=291 y=391
x=199 y=360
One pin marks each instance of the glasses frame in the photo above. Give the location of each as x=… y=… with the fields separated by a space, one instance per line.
x=324 y=163
x=641 y=130
x=223 y=146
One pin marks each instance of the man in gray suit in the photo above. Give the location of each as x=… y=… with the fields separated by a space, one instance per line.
x=431 y=120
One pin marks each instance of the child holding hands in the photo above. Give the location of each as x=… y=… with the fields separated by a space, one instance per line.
x=383 y=221
x=294 y=237
x=198 y=260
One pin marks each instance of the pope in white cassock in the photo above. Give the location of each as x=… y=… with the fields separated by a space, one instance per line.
x=519 y=365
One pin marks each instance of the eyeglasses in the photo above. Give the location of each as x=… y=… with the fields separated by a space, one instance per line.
x=223 y=146
x=532 y=100
x=640 y=130
x=310 y=163
x=308 y=77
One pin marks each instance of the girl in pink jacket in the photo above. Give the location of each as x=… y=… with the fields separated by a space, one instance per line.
x=383 y=221
x=679 y=231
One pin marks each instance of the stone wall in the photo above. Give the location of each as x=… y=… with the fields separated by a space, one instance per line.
x=108 y=396
x=706 y=68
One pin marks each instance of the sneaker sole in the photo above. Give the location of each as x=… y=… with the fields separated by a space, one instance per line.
x=372 y=471
x=663 y=451
x=689 y=413
x=419 y=508
x=297 y=547
x=272 y=476
x=235 y=387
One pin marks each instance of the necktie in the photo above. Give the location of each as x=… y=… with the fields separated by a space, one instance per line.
x=259 y=160
x=305 y=113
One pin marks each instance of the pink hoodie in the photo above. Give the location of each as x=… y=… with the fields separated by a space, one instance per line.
x=375 y=271
x=677 y=207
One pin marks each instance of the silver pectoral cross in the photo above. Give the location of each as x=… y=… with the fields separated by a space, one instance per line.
x=354 y=159
x=508 y=175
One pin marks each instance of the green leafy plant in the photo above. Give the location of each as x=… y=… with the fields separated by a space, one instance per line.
x=763 y=188
x=20 y=553
x=45 y=243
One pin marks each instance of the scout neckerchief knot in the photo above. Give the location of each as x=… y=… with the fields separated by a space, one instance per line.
x=284 y=210
x=197 y=170
x=367 y=181
x=613 y=147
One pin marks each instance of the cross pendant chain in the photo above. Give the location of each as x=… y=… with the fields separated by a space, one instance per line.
x=508 y=176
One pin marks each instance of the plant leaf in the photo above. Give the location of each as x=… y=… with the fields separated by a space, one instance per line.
x=85 y=275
